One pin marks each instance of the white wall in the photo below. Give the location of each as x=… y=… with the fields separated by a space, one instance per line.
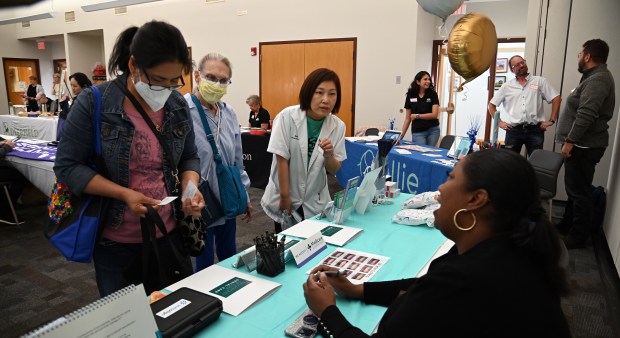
x=588 y=20
x=383 y=51
x=84 y=50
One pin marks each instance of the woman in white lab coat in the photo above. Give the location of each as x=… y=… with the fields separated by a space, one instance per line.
x=307 y=141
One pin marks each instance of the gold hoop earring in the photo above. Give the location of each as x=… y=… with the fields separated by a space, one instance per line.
x=456 y=223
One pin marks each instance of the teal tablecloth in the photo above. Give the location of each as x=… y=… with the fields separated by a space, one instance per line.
x=409 y=248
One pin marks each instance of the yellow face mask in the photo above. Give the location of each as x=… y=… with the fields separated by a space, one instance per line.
x=211 y=92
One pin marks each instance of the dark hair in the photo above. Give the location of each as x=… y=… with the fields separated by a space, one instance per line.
x=414 y=88
x=312 y=81
x=33 y=77
x=152 y=44
x=513 y=190
x=81 y=79
x=512 y=58
x=598 y=50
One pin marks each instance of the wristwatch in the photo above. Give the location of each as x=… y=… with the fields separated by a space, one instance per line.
x=417 y=116
x=552 y=121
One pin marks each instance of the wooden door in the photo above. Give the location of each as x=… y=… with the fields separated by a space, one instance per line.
x=337 y=56
x=284 y=67
x=16 y=73
x=281 y=76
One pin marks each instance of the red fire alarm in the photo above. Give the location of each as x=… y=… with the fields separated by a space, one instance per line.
x=253 y=51
x=40 y=44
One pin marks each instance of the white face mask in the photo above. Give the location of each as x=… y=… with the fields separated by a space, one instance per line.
x=155 y=99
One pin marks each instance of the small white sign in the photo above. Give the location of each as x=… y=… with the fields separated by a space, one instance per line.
x=172 y=309
x=305 y=250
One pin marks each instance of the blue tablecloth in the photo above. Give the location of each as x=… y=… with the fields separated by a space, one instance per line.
x=415 y=173
x=408 y=247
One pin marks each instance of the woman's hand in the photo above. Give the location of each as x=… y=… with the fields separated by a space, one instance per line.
x=136 y=202
x=328 y=148
x=248 y=215
x=194 y=205
x=286 y=203
x=341 y=284
x=319 y=293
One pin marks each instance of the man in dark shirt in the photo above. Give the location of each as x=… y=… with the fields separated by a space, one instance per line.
x=259 y=116
x=582 y=131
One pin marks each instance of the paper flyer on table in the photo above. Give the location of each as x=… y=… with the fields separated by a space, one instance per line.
x=334 y=234
x=358 y=266
x=237 y=291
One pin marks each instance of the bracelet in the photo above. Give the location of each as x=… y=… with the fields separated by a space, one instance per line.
x=552 y=121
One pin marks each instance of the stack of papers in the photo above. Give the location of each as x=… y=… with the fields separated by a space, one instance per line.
x=238 y=291
x=334 y=234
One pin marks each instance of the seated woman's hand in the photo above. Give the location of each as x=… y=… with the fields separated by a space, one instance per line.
x=341 y=284
x=319 y=293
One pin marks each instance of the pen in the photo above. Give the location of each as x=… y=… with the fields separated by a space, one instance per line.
x=334 y=273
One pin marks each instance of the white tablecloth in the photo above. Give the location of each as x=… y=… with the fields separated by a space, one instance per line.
x=40 y=173
x=42 y=128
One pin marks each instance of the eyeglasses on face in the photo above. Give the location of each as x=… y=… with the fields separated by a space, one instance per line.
x=159 y=88
x=213 y=80
x=518 y=64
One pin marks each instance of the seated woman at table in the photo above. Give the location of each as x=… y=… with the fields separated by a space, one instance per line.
x=259 y=116
x=502 y=278
x=307 y=141
x=422 y=106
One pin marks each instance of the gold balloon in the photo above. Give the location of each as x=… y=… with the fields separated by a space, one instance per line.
x=472 y=46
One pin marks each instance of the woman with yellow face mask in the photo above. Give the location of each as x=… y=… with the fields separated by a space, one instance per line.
x=213 y=78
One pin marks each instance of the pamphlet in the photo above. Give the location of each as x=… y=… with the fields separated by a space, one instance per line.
x=334 y=234
x=357 y=266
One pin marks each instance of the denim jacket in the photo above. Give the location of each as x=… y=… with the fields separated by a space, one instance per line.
x=117 y=132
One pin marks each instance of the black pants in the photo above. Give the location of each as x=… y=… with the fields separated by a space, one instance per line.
x=578 y=176
x=278 y=226
x=529 y=135
x=18 y=182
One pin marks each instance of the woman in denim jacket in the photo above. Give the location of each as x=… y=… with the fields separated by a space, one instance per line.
x=152 y=59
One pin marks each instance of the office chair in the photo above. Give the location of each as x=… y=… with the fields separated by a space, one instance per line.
x=5 y=186
x=372 y=132
x=446 y=142
x=547 y=166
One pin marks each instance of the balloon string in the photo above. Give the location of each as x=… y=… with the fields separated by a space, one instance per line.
x=443 y=31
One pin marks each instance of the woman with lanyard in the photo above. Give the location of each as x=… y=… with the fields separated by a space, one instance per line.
x=152 y=60
x=31 y=94
x=79 y=81
x=422 y=105
x=213 y=77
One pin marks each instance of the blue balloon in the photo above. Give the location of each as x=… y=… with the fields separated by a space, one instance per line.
x=440 y=8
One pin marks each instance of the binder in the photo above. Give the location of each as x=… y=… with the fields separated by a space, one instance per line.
x=124 y=312
x=184 y=312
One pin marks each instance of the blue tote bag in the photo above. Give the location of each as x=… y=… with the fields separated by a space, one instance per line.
x=74 y=221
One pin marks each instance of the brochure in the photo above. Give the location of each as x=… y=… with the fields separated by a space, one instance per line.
x=334 y=234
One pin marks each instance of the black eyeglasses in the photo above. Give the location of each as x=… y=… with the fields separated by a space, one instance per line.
x=222 y=82
x=159 y=88
x=521 y=63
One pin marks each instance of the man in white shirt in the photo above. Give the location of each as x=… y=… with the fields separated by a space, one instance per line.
x=524 y=117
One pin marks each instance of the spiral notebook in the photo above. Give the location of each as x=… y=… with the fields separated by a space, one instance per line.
x=125 y=313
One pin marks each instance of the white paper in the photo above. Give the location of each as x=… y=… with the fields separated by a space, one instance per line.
x=403 y=151
x=215 y=275
x=190 y=191
x=309 y=227
x=358 y=266
x=307 y=249
x=366 y=191
x=443 y=248
x=167 y=200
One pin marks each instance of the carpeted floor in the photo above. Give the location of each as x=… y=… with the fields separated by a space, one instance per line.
x=38 y=285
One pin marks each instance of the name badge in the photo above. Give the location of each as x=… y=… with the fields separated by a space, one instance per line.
x=428 y=100
x=413 y=99
x=534 y=86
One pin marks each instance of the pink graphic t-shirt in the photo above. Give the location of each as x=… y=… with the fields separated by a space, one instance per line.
x=146 y=176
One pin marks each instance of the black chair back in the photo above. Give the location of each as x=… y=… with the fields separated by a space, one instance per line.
x=547 y=166
x=446 y=142
x=372 y=132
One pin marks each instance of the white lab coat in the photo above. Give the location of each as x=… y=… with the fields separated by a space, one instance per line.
x=308 y=183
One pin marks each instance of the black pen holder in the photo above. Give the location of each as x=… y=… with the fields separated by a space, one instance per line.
x=270 y=262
